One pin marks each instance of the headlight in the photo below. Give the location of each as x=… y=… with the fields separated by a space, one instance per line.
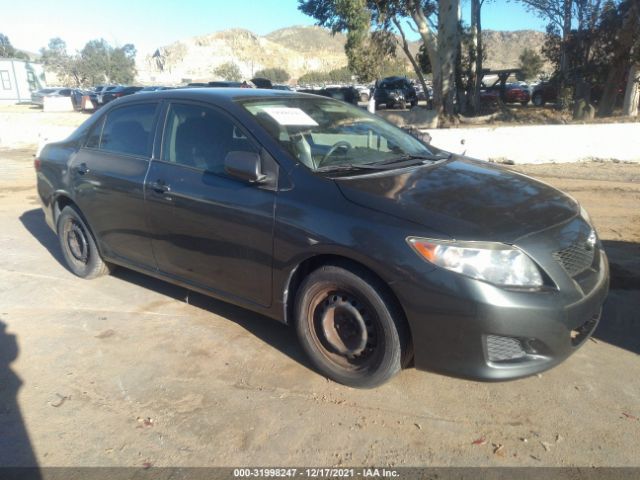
x=495 y=263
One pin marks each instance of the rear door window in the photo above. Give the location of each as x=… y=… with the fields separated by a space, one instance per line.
x=129 y=130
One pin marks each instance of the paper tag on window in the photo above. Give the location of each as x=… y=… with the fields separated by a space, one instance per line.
x=290 y=116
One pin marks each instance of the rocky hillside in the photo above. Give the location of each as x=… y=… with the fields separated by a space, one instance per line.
x=504 y=48
x=296 y=49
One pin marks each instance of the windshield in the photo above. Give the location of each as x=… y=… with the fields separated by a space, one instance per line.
x=325 y=134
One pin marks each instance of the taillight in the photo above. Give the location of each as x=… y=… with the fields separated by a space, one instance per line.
x=37 y=164
x=117 y=95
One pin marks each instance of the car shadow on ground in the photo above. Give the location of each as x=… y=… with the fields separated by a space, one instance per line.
x=620 y=324
x=15 y=446
x=34 y=222
x=270 y=331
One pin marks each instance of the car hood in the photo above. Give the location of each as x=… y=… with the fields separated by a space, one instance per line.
x=464 y=199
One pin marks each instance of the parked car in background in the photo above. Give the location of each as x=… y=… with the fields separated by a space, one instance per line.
x=121 y=91
x=395 y=91
x=217 y=84
x=153 y=88
x=547 y=91
x=37 y=98
x=278 y=86
x=260 y=82
x=346 y=94
x=364 y=91
x=380 y=250
x=98 y=97
x=513 y=93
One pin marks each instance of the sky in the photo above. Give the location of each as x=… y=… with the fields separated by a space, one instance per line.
x=147 y=24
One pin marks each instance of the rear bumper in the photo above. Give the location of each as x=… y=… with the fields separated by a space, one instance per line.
x=491 y=334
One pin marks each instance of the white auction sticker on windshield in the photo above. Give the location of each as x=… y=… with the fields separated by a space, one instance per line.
x=290 y=116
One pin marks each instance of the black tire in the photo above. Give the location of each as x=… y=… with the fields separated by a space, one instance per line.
x=524 y=104
x=537 y=99
x=78 y=245
x=350 y=327
x=414 y=103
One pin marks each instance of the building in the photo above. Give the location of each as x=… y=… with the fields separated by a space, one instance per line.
x=18 y=78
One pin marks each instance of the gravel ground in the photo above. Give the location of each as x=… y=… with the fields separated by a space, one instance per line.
x=128 y=370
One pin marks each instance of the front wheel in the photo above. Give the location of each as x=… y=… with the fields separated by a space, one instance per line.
x=350 y=327
x=78 y=246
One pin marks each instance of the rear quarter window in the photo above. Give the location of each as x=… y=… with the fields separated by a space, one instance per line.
x=129 y=130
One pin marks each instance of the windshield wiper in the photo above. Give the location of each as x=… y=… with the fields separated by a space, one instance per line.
x=401 y=161
x=348 y=166
x=408 y=157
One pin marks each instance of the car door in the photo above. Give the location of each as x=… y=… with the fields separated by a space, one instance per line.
x=108 y=175
x=210 y=229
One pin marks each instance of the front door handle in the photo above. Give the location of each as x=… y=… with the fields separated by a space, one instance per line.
x=159 y=186
x=82 y=169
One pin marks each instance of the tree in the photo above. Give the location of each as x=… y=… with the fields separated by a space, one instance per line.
x=530 y=63
x=97 y=62
x=436 y=22
x=278 y=75
x=624 y=51
x=66 y=67
x=100 y=62
x=559 y=14
x=475 y=72
x=339 y=75
x=6 y=49
x=632 y=92
x=422 y=57
x=441 y=42
x=228 y=71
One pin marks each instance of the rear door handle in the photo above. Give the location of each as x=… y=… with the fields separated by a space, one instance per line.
x=159 y=186
x=82 y=169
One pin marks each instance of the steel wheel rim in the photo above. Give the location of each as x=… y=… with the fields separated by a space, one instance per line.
x=345 y=329
x=76 y=241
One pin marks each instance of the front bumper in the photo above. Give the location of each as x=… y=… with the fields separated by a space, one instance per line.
x=470 y=329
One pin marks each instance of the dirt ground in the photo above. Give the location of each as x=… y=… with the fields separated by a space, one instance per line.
x=126 y=370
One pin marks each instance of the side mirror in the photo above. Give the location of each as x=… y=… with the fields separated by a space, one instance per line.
x=245 y=166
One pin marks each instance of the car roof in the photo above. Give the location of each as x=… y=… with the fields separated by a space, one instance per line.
x=216 y=95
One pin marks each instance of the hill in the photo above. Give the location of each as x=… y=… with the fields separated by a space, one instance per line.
x=296 y=49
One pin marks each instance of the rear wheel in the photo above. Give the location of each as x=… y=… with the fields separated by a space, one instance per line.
x=350 y=327
x=78 y=246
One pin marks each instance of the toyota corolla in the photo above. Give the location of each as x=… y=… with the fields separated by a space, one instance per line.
x=380 y=250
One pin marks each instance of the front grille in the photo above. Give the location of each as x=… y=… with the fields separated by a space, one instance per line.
x=575 y=258
x=503 y=348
